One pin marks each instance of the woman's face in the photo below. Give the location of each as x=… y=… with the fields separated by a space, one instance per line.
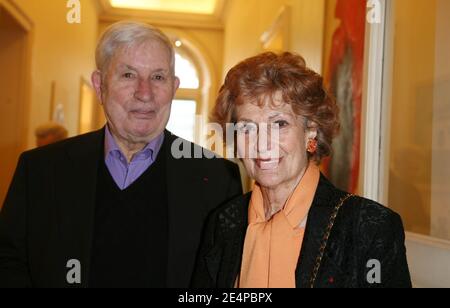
x=278 y=157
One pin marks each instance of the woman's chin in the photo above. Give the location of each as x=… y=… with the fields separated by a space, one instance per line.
x=268 y=181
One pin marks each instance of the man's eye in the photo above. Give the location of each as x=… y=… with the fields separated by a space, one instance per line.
x=159 y=77
x=128 y=75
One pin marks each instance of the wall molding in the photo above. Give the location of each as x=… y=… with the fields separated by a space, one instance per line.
x=167 y=19
x=280 y=26
x=18 y=14
x=371 y=161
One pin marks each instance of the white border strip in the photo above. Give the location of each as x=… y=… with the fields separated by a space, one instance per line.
x=372 y=107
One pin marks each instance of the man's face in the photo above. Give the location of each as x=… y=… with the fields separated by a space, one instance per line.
x=137 y=91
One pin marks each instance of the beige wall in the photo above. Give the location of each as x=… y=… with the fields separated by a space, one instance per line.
x=412 y=113
x=440 y=199
x=247 y=20
x=61 y=52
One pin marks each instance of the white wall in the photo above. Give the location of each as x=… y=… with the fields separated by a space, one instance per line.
x=428 y=260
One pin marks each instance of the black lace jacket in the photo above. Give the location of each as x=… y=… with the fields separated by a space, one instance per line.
x=365 y=247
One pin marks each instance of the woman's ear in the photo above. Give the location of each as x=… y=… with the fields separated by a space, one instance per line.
x=311 y=130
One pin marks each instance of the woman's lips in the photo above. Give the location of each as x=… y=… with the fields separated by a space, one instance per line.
x=268 y=164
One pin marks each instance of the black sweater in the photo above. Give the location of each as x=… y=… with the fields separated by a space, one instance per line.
x=131 y=230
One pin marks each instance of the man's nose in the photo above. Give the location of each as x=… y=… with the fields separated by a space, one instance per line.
x=144 y=91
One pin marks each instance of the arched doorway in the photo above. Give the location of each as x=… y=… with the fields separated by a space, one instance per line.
x=187 y=102
x=198 y=87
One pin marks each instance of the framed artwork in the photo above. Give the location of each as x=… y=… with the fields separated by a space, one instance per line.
x=90 y=114
x=344 y=64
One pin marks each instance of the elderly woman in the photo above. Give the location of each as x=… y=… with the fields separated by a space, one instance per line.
x=295 y=229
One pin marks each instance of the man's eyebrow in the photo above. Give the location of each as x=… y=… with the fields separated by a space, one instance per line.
x=127 y=66
x=158 y=70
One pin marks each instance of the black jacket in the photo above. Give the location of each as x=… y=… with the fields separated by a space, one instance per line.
x=363 y=231
x=48 y=214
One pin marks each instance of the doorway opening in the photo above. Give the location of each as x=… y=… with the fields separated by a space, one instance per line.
x=14 y=61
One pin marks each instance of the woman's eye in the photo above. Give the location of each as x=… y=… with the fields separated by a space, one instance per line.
x=246 y=128
x=281 y=123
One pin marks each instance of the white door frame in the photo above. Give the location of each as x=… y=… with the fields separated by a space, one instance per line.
x=428 y=257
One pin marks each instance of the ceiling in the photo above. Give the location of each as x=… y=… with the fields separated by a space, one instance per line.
x=205 y=7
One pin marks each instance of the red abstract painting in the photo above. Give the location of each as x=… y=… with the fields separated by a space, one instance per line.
x=345 y=80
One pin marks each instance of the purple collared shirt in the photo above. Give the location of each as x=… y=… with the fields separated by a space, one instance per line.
x=124 y=173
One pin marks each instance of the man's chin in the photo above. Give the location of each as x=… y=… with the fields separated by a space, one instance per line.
x=144 y=135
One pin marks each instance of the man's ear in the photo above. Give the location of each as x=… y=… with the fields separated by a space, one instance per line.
x=97 y=83
x=176 y=85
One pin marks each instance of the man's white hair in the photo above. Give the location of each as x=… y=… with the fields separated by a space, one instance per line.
x=125 y=34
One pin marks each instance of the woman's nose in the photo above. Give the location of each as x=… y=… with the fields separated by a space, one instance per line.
x=267 y=138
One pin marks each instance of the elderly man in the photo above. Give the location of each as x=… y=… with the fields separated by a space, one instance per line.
x=114 y=208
